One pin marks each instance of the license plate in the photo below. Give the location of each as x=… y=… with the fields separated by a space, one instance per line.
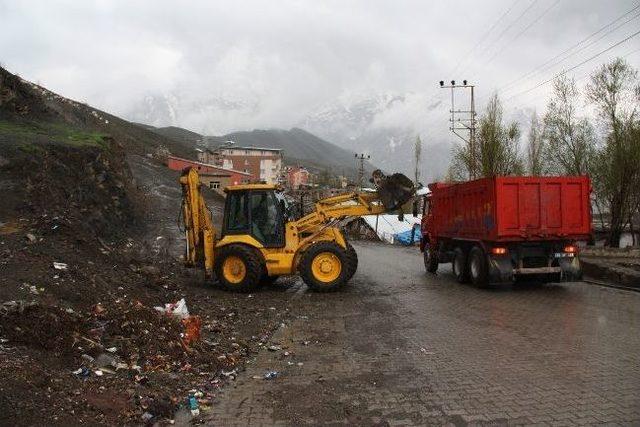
x=563 y=255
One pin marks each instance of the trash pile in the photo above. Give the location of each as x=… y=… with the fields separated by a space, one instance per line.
x=152 y=355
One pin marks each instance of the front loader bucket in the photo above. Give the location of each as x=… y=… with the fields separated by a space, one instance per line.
x=394 y=190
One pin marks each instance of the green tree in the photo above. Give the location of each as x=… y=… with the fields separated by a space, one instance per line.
x=569 y=139
x=496 y=149
x=535 y=147
x=615 y=92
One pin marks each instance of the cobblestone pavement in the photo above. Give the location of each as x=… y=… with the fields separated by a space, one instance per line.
x=399 y=347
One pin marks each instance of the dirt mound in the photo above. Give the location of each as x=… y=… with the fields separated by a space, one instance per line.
x=43 y=327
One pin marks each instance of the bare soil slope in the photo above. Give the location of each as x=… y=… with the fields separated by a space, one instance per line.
x=89 y=244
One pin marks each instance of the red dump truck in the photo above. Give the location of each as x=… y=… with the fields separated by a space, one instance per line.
x=496 y=230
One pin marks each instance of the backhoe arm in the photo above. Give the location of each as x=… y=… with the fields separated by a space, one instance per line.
x=199 y=230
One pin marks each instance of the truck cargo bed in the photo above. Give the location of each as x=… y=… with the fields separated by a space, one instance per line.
x=513 y=208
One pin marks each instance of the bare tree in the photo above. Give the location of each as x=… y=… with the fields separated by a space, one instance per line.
x=496 y=150
x=417 y=150
x=615 y=93
x=570 y=140
x=535 y=146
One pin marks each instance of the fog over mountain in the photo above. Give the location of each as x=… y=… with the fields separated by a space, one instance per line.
x=363 y=74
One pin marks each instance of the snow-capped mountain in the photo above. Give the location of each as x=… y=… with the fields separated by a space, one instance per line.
x=383 y=125
x=386 y=127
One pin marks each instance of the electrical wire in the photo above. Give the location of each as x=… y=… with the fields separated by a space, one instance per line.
x=524 y=12
x=484 y=36
x=550 y=61
x=575 y=66
x=535 y=21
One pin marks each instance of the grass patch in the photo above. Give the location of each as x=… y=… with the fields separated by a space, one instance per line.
x=28 y=134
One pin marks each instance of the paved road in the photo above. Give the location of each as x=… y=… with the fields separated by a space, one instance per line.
x=398 y=347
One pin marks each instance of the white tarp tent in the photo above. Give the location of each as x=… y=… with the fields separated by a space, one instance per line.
x=387 y=226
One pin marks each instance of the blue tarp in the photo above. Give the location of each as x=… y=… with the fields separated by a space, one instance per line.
x=404 y=238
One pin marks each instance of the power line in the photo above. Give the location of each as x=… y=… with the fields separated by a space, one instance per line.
x=484 y=37
x=540 y=67
x=535 y=21
x=487 y=49
x=575 y=66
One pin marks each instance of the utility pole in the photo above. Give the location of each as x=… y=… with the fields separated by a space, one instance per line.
x=464 y=121
x=361 y=158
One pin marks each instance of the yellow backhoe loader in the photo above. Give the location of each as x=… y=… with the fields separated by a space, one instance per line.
x=258 y=244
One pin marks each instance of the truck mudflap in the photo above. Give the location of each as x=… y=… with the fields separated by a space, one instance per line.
x=571 y=268
x=501 y=270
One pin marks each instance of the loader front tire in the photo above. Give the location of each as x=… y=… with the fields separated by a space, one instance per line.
x=352 y=261
x=238 y=268
x=325 y=266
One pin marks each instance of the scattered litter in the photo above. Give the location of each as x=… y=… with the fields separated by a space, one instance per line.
x=271 y=375
x=229 y=374
x=274 y=348
x=300 y=363
x=87 y=358
x=112 y=349
x=146 y=417
x=98 y=373
x=177 y=309
x=31 y=238
x=425 y=351
x=193 y=406
x=60 y=265
x=82 y=372
x=192 y=327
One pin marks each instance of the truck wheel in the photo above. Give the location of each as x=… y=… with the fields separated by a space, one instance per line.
x=478 y=269
x=352 y=262
x=430 y=260
x=238 y=268
x=459 y=265
x=325 y=266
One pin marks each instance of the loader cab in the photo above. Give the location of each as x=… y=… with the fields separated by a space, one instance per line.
x=256 y=210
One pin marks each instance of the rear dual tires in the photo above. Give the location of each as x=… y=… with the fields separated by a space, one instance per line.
x=459 y=265
x=471 y=267
x=478 y=267
x=326 y=266
x=238 y=268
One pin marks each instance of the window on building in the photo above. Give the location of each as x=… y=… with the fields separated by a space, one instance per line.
x=246 y=152
x=214 y=185
x=246 y=162
x=246 y=171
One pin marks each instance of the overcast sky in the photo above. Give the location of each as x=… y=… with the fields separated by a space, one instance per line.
x=287 y=58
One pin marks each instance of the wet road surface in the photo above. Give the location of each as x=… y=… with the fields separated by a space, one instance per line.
x=399 y=347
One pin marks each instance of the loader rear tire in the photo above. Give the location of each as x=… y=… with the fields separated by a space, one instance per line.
x=325 y=266
x=238 y=268
x=459 y=265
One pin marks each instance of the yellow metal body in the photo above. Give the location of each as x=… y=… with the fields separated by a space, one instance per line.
x=320 y=225
x=199 y=230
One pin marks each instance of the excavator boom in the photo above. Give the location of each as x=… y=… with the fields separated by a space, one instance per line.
x=199 y=230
